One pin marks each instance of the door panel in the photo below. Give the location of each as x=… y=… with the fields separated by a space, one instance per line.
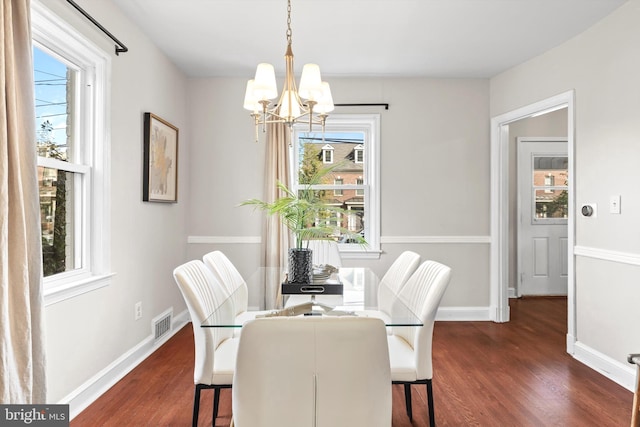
x=542 y=212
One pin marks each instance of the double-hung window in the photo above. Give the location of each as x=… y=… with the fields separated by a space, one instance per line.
x=354 y=181
x=70 y=77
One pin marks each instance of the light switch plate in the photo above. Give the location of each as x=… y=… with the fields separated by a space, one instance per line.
x=614 y=204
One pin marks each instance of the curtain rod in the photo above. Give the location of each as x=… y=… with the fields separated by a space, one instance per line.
x=120 y=47
x=386 y=106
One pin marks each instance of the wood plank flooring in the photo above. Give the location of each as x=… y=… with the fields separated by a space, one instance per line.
x=485 y=374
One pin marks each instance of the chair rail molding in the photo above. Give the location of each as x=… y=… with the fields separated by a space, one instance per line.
x=223 y=239
x=383 y=239
x=607 y=255
x=436 y=239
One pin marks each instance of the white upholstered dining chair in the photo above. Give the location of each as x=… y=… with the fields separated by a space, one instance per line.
x=215 y=348
x=410 y=347
x=312 y=371
x=395 y=278
x=227 y=274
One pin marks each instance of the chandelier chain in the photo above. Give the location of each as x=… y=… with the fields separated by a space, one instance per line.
x=289 y=22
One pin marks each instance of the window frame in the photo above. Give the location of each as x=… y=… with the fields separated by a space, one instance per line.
x=369 y=125
x=53 y=35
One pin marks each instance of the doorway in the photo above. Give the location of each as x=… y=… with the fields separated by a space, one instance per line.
x=500 y=183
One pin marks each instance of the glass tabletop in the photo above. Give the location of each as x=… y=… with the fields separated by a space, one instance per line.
x=264 y=298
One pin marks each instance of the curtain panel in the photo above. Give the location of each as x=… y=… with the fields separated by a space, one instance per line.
x=275 y=236
x=22 y=375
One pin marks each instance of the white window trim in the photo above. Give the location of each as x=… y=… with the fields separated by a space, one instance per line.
x=369 y=124
x=51 y=31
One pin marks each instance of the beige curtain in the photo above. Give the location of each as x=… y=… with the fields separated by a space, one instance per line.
x=22 y=377
x=275 y=237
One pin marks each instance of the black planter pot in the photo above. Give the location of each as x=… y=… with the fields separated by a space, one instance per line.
x=300 y=265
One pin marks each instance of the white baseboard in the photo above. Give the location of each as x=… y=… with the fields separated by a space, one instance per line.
x=621 y=373
x=463 y=314
x=91 y=390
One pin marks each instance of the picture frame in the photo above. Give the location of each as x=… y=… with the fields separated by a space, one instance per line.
x=160 y=172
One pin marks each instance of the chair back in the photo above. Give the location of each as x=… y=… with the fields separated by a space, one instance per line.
x=312 y=371
x=203 y=294
x=324 y=252
x=422 y=294
x=227 y=274
x=395 y=278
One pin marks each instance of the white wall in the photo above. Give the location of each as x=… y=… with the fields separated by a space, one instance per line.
x=91 y=332
x=602 y=66
x=434 y=167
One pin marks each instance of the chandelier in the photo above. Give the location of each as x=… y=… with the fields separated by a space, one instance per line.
x=308 y=104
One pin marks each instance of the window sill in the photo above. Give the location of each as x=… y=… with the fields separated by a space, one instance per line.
x=71 y=289
x=370 y=254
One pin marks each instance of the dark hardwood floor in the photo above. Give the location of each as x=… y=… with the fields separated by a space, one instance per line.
x=485 y=374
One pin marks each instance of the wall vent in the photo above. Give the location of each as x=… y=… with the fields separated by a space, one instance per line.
x=161 y=325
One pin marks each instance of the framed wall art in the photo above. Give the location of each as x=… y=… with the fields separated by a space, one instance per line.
x=160 y=180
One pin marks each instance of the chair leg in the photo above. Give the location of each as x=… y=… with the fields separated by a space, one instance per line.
x=196 y=407
x=407 y=400
x=432 y=419
x=216 y=404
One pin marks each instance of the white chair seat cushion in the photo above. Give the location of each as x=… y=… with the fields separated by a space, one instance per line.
x=224 y=363
x=402 y=359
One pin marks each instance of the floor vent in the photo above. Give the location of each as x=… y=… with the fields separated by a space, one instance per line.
x=162 y=324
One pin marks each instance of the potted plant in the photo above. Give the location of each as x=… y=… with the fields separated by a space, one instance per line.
x=308 y=215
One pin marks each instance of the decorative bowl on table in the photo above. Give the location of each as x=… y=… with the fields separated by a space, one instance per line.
x=322 y=273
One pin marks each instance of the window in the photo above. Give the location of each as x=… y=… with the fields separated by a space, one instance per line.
x=360 y=183
x=327 y=154
x=550 y=188
x=358 y=154
x=338 y=183
x=352 y=185
x=70 y=76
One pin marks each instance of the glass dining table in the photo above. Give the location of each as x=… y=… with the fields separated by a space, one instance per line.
x=357 y=295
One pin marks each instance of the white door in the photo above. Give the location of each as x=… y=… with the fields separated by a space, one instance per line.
x=542 y=211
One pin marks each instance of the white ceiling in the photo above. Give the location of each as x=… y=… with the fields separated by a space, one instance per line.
x=433 y=38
